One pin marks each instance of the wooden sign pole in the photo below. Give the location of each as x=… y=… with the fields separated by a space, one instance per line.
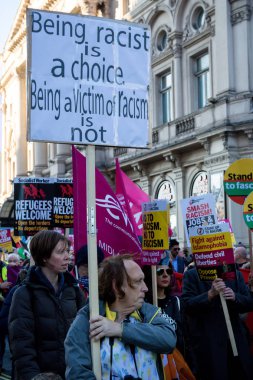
x=229 y=326
x=92 y=252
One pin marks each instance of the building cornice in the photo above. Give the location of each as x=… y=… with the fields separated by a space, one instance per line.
x=19 y=29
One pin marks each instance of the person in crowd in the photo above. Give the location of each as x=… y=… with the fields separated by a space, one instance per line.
x=43 y=308
x=241 y=257
x=4 y=284
x=4 y=288
x=4 y=313
x=177 y=261
x=240 y=244
x=212 y=356
x=71 y=261
x=166 y=300
x=13 y=259
x=188 y=257
x=13 y=268
x=82 y=267
x=133 y=333
x=169 y=304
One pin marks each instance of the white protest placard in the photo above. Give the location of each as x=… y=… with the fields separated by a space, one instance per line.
x=88 y=80
x=198 y=212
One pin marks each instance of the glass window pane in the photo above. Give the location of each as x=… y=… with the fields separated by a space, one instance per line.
x=208 y=85
x=203 y=85
x=200 y=184
x=203 y=63
x=167 y=191
x=201 y=92
x=162 y=40
x=166 y=98
x=163 y=83
x=166 y=81
x=168 y=106
x=165 y=107
x=200 y=18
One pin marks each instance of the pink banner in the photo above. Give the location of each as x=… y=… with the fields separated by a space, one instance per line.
x=115 y=232
x=131 y=198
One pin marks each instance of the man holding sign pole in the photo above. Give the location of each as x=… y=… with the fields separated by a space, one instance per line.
x=207 y=331
x=132 y=333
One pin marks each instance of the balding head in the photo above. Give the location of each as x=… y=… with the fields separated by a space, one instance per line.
x=240 y=254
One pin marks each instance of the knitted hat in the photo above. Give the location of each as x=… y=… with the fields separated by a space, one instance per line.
x=82 y=256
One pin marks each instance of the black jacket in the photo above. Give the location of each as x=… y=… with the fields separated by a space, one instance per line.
x=39 y=320
x=171 y=306
x=207 y=330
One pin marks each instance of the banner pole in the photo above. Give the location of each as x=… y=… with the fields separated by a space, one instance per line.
x=154 y=286
x=229 y=326
x=92 y=252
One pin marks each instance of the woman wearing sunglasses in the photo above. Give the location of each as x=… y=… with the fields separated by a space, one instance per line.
x=169 y=304
x=167 y=301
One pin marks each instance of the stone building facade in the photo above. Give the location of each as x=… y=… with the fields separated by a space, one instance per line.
x=201 y=108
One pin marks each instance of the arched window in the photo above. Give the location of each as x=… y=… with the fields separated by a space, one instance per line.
x=166 y=190
x=199 y=184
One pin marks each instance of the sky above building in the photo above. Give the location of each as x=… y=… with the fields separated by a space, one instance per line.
x=8 y=11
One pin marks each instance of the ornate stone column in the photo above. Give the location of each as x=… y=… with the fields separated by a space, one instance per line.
x=180 y=194
x=240 y=18
x=3 y=182
x=98 y=8
x=40 y=158
x=224 y=49
x=63 y=151
x=177 y=68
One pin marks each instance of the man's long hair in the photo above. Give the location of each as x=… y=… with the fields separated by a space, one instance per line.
x=112 y=270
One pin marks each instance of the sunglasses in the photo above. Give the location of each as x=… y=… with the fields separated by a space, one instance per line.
x=175 y=249
x=161 y=271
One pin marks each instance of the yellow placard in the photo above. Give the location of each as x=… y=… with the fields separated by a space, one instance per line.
x=211 y=242
x=155 y=230
x=240 y=170
x=6 y=247
x=238 y=180
x=248 y=211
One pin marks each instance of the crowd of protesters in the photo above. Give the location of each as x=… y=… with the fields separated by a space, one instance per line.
x=182 y=336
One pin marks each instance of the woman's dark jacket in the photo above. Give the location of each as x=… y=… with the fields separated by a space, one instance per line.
x=171 y=306
x=207 y=330
x=4 y=313
x=39 y=320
